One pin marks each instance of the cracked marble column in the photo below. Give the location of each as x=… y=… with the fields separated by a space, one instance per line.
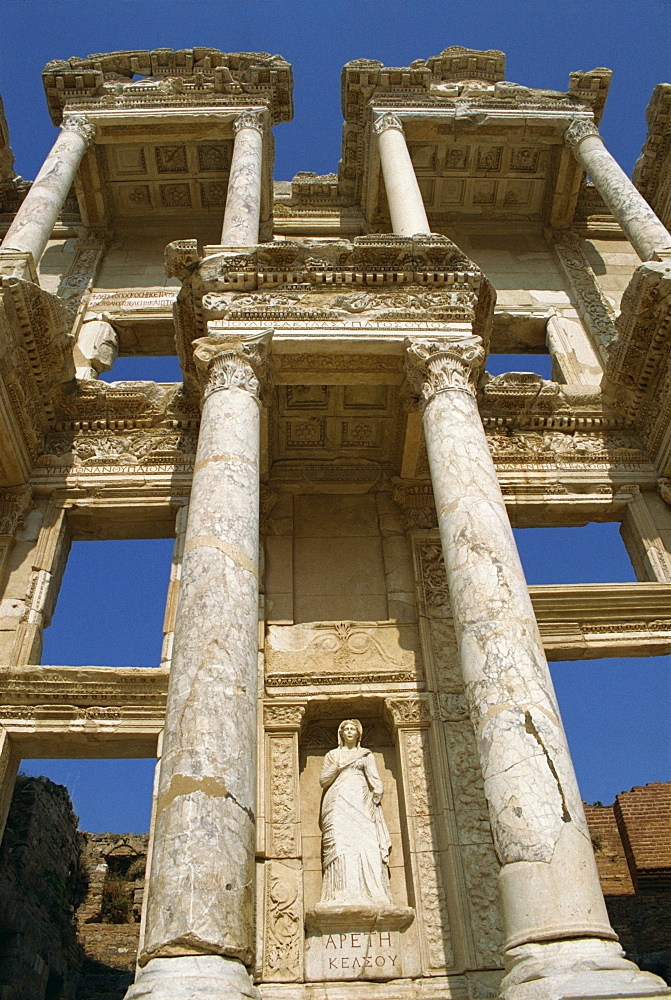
x=34 y=222
x=243 y=198
x=406 y=207
x=647 y=234
x=559 y=941
x=200 y=906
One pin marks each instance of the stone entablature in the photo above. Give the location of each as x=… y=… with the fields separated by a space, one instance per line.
x=185 y=78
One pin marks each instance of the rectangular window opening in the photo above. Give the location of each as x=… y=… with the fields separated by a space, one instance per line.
x=111 y=605
x=593 y=553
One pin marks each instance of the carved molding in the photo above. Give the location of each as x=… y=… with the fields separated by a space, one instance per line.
x=442 y=364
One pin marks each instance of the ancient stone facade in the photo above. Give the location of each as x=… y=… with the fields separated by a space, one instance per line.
x=340 y=476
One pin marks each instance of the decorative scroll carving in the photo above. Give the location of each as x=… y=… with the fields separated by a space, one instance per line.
x=443 y=364
x=75 y=287
x=427 y=856
x=436 y=596
x=594 y=308
x=578 y=130
x=388 y=120
x=283 y=938
x=234 y=364
x=283 y=795
x=82 y=126
x=15 y=505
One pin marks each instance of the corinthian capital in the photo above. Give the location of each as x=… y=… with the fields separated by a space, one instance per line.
x=229 y=362
x=386 y=121
x=82 y=126
x=250 y=119
x=578 y=130
x=442 y=364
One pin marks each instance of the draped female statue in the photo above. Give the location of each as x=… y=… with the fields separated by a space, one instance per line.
x=355 y=839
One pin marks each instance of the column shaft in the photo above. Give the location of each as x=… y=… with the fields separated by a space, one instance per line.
x=549 y=884
x=406 y=207
x=34 y=222
x=201 y=887
x=646 y=233
x=243 y=198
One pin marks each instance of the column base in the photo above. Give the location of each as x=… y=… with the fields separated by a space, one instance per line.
x=581 y=967
x=193 y=977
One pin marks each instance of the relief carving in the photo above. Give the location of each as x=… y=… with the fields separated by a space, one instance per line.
x=313 y=303
x=427 y=856
x=283 y=796
x=593 y=306
x=283 y=938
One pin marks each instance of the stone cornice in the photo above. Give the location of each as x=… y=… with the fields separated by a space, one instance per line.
x=184 y=77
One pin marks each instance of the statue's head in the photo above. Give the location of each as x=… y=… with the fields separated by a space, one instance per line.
x=354 y=727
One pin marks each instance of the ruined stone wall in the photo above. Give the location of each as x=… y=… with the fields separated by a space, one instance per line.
x=40 y=887
x=633 y=854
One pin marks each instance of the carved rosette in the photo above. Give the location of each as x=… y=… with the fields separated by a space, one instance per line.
x=386 y=121
x=82 y=126
x=250 y=119
x=441 y=365
x=578 y=130
x=240 y=363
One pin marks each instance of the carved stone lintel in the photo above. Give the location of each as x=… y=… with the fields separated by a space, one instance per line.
x=234 y=363
x=577 y=131
x=82 y=126
x=250 y=119
x=388 y=120
x=442 y=364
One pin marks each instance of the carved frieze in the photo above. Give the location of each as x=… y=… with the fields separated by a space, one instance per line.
x=341 y=652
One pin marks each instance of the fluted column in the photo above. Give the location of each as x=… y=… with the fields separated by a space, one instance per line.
x=406 y=206
x=243 y=198
x=34 y=222
x=554 y=914
x=200 y=905
x=646 y=233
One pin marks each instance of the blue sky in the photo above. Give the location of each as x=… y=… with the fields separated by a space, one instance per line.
x=616 y=713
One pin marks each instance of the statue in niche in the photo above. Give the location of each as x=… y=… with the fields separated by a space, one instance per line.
x=355 y=839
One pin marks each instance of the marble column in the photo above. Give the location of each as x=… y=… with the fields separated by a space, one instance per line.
x=406 y=207
x=243 y=198
x=34 y=222
x=556 y=925
x=647 y=234
x=200 y=906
